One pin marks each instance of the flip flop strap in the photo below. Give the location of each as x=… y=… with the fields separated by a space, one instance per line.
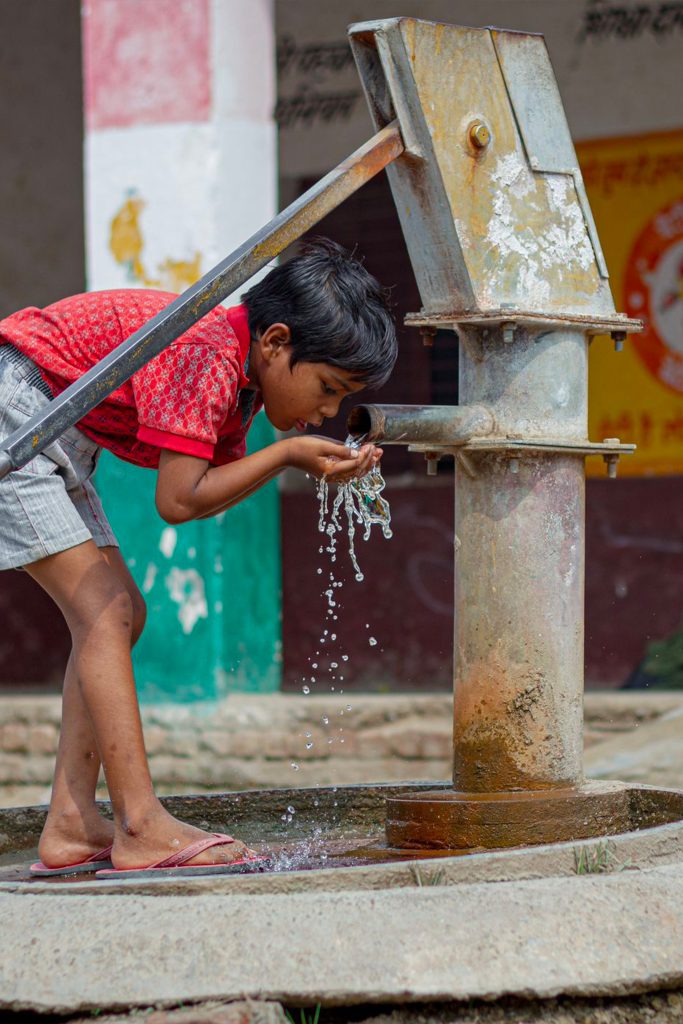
x=104 y=854
x=176 y=860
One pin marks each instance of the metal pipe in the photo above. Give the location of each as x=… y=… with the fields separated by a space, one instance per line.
x=154 y=336
x=420 y=424
x=520 y=573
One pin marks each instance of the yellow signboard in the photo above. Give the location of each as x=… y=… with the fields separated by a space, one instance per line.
x=635 y=188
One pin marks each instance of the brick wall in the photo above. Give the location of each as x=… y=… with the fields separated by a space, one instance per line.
x=252 y=742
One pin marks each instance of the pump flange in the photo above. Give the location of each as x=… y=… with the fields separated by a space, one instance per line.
x=455 y=821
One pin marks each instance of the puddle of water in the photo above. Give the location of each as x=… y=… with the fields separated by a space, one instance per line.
x=311 y=854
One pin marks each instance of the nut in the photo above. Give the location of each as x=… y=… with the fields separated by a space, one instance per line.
x=480 y=136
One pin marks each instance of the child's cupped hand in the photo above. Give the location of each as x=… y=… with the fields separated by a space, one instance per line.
x=323 y=456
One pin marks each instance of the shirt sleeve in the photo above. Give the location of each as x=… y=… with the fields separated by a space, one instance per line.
x=183 y=396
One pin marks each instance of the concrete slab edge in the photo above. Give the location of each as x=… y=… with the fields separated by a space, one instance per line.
x=580 y=937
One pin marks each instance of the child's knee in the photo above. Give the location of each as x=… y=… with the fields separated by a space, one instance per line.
x=111 y=611
x=139 y=616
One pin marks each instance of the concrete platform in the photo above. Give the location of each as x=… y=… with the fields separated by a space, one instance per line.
x=600 y=916
x=580 y=935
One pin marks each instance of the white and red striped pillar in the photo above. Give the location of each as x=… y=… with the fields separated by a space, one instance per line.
x=180 y=167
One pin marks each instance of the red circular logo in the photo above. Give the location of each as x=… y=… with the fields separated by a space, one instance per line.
x=653 y=292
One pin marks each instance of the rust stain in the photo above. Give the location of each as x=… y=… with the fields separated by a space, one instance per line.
x=465 y=821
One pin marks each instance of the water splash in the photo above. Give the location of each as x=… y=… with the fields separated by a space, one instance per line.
x=363 y=504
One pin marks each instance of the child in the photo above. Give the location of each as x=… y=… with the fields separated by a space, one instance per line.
x=311 y=332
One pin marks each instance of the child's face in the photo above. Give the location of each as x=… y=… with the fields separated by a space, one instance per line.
x=305 y=395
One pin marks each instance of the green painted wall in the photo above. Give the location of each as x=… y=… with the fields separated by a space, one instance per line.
x=213 y=588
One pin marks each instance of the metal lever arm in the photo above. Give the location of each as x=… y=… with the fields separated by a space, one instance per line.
x=154 y=336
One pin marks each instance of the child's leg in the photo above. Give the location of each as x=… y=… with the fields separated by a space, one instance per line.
x=74 y=829
x=100 y=614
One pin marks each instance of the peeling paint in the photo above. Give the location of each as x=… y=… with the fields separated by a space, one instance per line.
x=168 y=541
x=535 y=251
x=186 y=589
x=150 y=577
x=511 y=173
x=126 y=244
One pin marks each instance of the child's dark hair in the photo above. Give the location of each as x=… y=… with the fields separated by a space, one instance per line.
x=336 y=311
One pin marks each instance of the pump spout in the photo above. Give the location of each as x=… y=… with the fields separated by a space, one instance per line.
x=420 y=424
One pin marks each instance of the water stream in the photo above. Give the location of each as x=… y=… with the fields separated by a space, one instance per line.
x=360 y=503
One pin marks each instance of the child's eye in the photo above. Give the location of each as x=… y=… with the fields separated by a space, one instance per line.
x=327 y=390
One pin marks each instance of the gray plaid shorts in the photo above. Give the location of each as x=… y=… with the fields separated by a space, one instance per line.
x=51 y=504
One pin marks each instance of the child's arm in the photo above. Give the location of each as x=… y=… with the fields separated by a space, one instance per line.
x=190 y=488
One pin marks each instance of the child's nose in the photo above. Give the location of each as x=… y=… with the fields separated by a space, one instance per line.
x=330 y=408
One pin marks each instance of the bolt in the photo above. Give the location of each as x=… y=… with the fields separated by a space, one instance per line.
x=432 y=463
x=480 y=136
x=513 y=465
x=611 y=463
x=618 y=337
x=428 y=334
x=508 y=333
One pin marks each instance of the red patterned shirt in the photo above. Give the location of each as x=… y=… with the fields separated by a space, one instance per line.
x=187 y=399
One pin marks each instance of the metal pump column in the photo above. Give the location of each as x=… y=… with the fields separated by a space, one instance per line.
x=505 y=252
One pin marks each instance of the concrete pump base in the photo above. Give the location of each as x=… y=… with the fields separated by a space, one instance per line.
x=592 y=917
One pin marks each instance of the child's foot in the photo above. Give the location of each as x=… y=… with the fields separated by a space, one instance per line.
x=73 y=836
x=159 y=835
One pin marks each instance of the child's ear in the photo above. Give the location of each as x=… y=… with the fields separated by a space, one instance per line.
x=274 y=339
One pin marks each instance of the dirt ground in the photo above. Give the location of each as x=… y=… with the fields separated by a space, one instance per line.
x=661 y=1008
x=658 y=1007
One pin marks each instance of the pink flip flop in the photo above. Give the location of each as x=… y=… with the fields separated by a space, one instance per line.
x=173 y=865
x=100 y=859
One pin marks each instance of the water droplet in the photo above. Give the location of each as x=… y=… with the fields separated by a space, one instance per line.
x=325 y=720
x=334 y=664
x=345 y=657
x=319 y=571
x=291 y=809
x=372 y=641
x=295 y=766
x=309 y=745
x=306 y=689
x=314 y=665
x=333 y=637
x=349 y=707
